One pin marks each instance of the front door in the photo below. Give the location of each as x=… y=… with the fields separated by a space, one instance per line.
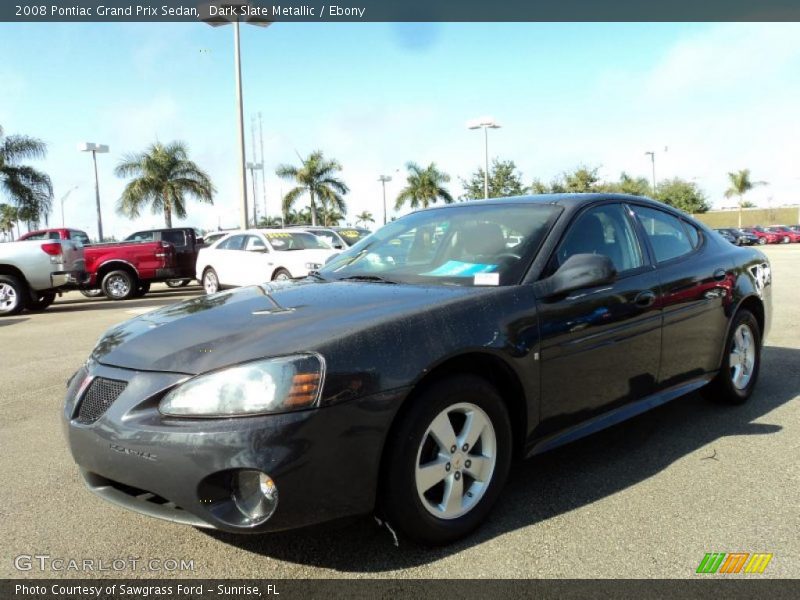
x=600 y=347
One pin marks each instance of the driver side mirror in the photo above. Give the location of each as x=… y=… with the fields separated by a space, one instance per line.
x=259 y=249
x=579 y=271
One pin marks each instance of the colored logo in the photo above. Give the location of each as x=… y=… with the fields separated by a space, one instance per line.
x=734 y=562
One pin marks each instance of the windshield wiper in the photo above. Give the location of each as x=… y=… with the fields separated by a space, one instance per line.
x=375 y=278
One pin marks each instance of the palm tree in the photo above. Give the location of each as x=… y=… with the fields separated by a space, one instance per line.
x=316 y=176
x=163 y=177
x=740 y=185
x=30 y=190
x=424 y=187
x=8 y=217
x=364 y=218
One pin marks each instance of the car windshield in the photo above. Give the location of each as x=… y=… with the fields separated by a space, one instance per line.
x=464 y=245
x=295 y=240
x=351 y=236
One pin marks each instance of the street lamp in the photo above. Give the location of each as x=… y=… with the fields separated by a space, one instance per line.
x=94 y=149
x=64 y=197
x=221 y=13
x=652 y=156
x=254 y=166
x=485 y=123
x=384 y=179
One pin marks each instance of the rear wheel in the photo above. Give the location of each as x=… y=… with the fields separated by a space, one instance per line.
x=119 y=285
x=741 y=362
x=281 y=274
x=174 y=283
x=92 y=293
x=12 y=292
x=210 y=281
x=41 y=302
x=142 y=289
x=447 y=461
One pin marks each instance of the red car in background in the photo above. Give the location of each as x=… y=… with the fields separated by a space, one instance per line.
x=120 y=270
x=764 y=236
x=787 y=234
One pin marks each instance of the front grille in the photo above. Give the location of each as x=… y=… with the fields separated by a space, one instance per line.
x=101 y=394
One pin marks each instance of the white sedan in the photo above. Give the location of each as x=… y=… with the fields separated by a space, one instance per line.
x=256 y=255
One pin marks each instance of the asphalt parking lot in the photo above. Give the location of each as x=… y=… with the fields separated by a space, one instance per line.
x=647 y=498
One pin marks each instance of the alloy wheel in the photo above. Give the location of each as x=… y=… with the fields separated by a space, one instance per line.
x=8 y=298
x=118 y=286
x=742 y=358
x=210 y=282
x=455 y=461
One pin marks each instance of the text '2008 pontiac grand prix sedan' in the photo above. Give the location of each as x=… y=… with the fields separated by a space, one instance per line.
x=406 y=374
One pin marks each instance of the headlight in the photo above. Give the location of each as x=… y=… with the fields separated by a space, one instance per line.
x=260 y=387
x=313 y=266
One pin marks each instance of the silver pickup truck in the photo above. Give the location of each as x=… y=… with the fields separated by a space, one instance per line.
x=33 y=272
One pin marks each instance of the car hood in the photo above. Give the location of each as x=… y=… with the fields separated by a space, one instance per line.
x=273 y=319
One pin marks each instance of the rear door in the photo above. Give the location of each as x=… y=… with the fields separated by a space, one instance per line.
x=183 y=241
x=695 y=282
x=600 y=346
x=225 y=259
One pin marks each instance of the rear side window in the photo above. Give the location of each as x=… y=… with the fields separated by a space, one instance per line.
x=235 y=242
x=666 y=233
x=694 y=235
x=141 y=236
x=176 y=238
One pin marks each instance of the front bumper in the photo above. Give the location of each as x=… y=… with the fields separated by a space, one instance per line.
x=324 y=462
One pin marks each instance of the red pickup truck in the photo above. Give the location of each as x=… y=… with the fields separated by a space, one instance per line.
x=118 y=270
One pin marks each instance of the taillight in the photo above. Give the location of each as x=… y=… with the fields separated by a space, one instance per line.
x=52 y=248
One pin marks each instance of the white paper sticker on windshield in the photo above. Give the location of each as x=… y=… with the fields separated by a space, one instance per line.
x=486 y=279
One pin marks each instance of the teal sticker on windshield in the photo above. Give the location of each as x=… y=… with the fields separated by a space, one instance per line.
x=456 y=268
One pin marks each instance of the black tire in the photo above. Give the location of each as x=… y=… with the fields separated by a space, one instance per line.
x=210 y=281
x=119 y=285
x=142 y=289
x=281 y=274
x=12 y=295
x=723 y=387
x=93 y=293
x=400 y=502
x=175 y=283
x=41 y=302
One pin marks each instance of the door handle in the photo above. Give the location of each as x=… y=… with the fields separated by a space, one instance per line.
x=719 y=274
x=645 y=299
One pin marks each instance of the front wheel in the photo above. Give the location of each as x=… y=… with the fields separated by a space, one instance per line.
x=281 y=274
x=41 y=302
x=762 y=241
x=446 y=461
x=210 y=281
x=737 y=378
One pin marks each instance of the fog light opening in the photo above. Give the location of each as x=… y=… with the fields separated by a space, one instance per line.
x=255 y=495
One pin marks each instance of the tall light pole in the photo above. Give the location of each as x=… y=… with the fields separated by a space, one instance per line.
x=64 y=197
x=254 y=166
x=94 y=149
x=485 y=123
x=384 y=179
x=263 y=174
x=221 y=13
x=652 y=156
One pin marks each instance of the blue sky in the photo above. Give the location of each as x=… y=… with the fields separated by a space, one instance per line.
x=719 y=97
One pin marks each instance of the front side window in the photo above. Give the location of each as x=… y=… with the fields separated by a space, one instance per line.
x=255 y=244
x=666 y=233
x=607 y=231
x=464 y=245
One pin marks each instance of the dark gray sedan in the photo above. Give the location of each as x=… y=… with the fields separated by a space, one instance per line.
x=406 y=374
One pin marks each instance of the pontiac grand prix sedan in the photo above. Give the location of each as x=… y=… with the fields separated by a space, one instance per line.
x=407 y=373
